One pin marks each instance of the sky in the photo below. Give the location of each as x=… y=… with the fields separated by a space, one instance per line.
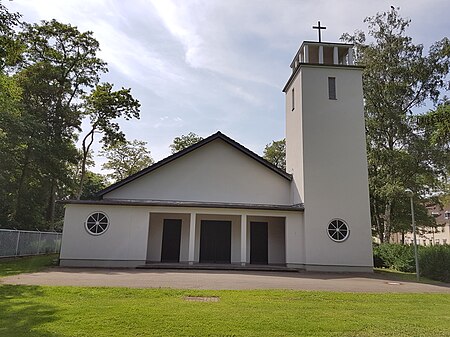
x=204 y=66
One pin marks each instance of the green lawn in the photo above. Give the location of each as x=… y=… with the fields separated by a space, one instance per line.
x=21 y=265
x=403 y=276
x=77 y=311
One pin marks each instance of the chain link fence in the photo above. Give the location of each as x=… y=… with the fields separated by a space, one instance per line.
x=22 y=243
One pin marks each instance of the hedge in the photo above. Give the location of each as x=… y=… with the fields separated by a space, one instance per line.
x=434 y=261
x=394 y=256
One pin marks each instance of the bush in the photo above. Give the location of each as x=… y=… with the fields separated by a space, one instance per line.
x=394 y=256
x=434 y=262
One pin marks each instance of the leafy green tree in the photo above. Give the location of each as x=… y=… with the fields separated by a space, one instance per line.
x=402 y=220
x=46 y=72
x=103 y=106
x=10 y=121
x=10 y=97
x=275 y=153
x=397 y=78
x=58 y=64
x=93 y=183
x=7 y=21
x=9 y=48
x=184 y=141
x=126 y=158
x=438 y=123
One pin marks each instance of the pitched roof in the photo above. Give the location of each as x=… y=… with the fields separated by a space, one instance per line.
x=217 y=135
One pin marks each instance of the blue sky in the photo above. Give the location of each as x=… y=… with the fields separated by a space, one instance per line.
x=209 y=65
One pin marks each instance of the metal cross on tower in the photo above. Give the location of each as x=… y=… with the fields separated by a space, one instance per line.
x=319 y=28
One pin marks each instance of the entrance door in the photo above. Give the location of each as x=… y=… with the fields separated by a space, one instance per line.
x=258 y=243
x=170 y=250
x=215 y=241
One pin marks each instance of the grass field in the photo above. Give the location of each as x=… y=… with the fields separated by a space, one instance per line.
x=9 y=267
x=77 y=311
x=403 y=276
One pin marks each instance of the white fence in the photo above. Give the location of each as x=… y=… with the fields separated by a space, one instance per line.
x=23 y=243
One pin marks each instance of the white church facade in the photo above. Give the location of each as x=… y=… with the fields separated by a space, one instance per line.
x=217 y=202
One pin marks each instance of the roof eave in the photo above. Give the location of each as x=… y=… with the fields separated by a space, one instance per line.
x=189 y=204
x=302 y=64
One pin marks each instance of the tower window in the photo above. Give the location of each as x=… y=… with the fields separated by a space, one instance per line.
x=332 y=87
x=293 y=99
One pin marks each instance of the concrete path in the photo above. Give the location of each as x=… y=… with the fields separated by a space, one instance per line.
x=194 y=279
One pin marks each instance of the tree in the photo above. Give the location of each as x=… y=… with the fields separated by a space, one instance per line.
x=9 y=48
x=104 y=106
x=7 y=21
x=275 y=153
x=46 y=72
x=94 y=182
x=438 y=123
x=57 y=65
x=10 y=96
x=184 y=141
x=397 y=78
x=126 y=158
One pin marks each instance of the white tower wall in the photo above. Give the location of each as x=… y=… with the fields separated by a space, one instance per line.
x=326 y=153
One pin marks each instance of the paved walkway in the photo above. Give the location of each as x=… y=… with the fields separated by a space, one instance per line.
x=195 y=279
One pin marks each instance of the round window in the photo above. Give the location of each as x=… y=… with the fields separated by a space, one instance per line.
x=338 y=230
x=97 y=223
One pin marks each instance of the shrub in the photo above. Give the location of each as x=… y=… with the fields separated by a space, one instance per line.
x=434 y=262
x=394 y=256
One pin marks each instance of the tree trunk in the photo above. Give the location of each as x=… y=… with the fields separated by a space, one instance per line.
x=50 y=216
x=23 y=174
x=86 y=148
x=82 y=175
x=377 y=221
x=387 y=222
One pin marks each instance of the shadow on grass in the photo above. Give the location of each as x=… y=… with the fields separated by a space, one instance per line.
x=21 y=312
x=29 y=264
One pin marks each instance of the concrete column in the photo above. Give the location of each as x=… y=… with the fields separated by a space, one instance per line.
x=320 y=54
x=243 y=239
x=193 y=219
x=294 y=240
x=350 y=56
x=335 y=55
x=306 y=54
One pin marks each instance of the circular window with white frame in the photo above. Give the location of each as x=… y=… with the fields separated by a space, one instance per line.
x=97 y=223
x=338 y=230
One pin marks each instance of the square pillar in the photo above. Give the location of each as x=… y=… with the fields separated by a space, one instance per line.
x=306 y=54
x=243 y=239
x=320 y=54
x=193 y=218
x=350 y=56
x=335 y=55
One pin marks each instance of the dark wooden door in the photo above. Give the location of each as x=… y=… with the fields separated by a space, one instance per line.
x=259 y=243
x=215 y=241
x=170 y=250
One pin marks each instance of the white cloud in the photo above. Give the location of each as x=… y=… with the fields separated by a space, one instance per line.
x=208 y=65
x=176 y=17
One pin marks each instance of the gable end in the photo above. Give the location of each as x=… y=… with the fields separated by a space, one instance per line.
x=217 y=135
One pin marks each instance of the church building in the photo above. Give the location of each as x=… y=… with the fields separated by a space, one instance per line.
x=217 y=202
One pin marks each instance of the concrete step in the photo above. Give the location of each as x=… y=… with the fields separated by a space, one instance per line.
x=211 y=266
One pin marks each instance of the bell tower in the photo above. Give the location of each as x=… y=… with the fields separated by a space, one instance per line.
x=326 y=154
